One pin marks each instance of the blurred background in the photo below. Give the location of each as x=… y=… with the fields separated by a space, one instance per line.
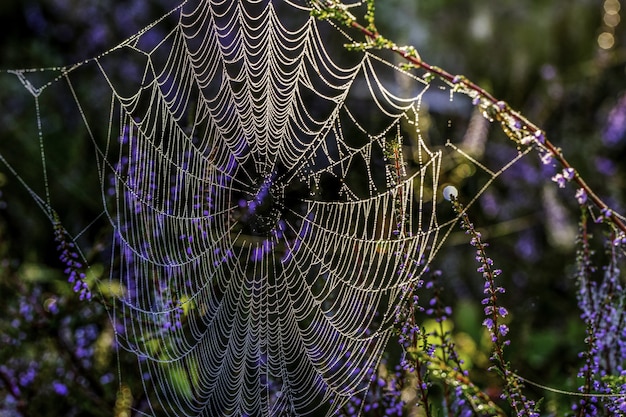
x=560 y=62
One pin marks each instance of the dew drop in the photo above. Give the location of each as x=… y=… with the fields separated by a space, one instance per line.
x=450 y=192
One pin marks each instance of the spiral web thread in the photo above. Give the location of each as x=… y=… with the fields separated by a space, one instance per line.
x=264 y=226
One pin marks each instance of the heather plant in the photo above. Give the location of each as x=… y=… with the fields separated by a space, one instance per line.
x=77 y=350
x=601 y=301
x=56 y=346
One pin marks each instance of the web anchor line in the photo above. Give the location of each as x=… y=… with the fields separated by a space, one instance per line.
x=26 y=83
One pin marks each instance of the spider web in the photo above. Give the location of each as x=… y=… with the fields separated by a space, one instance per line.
x=264 y=225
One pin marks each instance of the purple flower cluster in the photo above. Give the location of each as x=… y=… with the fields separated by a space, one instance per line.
x=493 y=322
x=581 y=196
x=53 y=350
x=459 y=394
x=383 y=398
x=564 y=177
x=73 y=268
x=409 y=329
x=602 y=301
x=615 y=129
x=173 y=314
x=493 y=312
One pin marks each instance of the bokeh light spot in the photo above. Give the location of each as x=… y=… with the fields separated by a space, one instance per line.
x=612 y=6
x=611 y=20
x=606 y=40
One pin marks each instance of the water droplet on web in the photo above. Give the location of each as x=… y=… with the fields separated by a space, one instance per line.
x=450 y=193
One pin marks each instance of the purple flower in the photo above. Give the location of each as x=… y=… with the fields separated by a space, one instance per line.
x=569 y=173
x=602 y=304
x=546 y=158
x=540 y=136
x=605 y=166
x=488 y=323
x=615 y=129
x=60 y=388
x=69 y=256
x=560 y=180
x=619 y=240
x=564 y=176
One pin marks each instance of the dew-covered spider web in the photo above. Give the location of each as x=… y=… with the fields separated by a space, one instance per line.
x=267 y=197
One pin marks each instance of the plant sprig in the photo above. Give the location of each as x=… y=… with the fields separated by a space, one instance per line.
x=494 y=315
